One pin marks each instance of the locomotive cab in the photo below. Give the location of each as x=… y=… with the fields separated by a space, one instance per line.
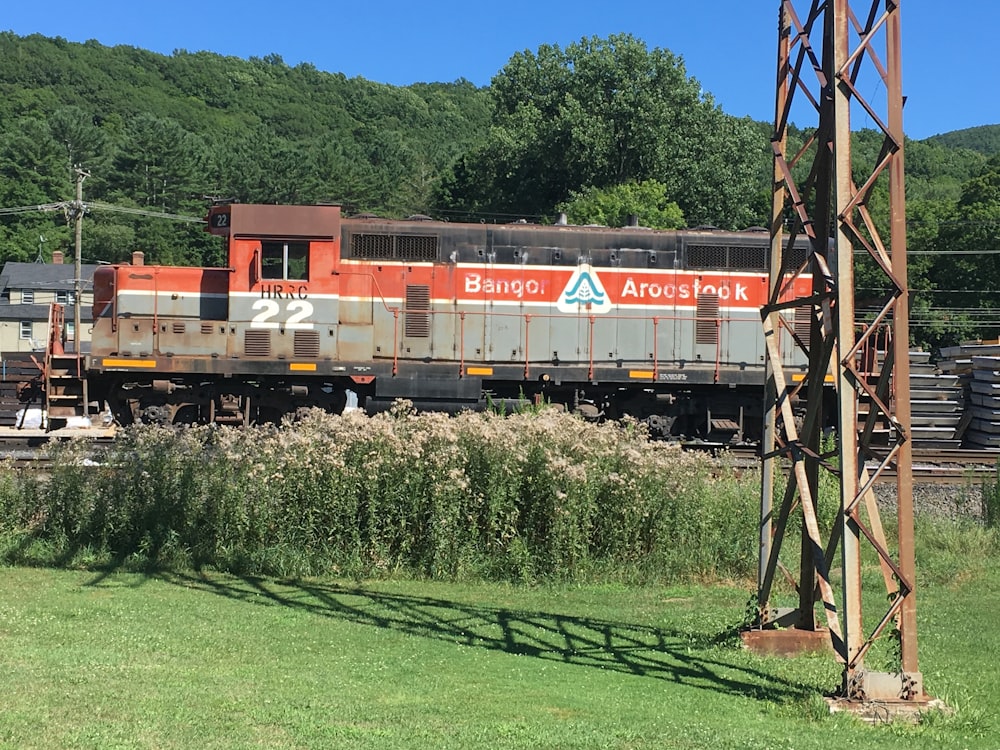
x=283 y=285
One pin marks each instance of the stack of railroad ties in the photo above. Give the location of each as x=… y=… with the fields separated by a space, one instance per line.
x=976 y=365
x=937 y=404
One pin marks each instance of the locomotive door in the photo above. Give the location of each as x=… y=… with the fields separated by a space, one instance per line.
x=580 y=294
x=484 y=349
x=485 y=329
x=475 y=306
x=136 y=333
x=416 y=324
x=708 y=339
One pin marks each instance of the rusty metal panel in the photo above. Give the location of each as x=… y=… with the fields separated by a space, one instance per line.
x=190 y=338
x=356 y=342
x=306 y=222
x=135 y=337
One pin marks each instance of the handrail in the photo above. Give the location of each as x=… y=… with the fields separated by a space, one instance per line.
x=592 y=322
x=590 y=347
x=400 y=311
x=656 y=342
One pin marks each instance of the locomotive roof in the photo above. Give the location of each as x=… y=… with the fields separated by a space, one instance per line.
x=424 y=224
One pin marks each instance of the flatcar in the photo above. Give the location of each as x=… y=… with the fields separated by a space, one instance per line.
x=316 y=309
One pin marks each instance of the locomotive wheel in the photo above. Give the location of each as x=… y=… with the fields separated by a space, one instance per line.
x=660 y=425
x=156 y=414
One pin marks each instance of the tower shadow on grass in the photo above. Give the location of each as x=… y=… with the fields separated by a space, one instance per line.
x=641 y=650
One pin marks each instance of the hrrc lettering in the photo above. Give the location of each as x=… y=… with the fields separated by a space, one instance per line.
x=282 y=291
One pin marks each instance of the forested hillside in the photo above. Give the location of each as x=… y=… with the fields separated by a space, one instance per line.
x=162 y=132
x=985 y=139
x=600 y=129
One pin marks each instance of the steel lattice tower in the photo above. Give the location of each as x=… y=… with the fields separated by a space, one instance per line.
x=826 y=53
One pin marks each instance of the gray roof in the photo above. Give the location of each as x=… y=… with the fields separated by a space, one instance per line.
x=45 y=276
x=14 y=311
x=48 y=277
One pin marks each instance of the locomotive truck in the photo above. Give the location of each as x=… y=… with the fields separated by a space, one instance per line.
x=316 y=309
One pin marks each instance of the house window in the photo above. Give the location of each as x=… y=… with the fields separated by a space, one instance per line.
x=62 y=297
x=25 y=334
x=285 y=260
x=27 y=296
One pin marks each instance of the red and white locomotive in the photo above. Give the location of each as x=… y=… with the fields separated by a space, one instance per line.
x=315 y=309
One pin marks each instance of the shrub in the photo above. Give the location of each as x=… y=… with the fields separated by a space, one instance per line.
x=533 y=496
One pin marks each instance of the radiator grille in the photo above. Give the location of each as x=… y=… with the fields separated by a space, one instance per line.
x=306 y=344
x=707 y=326
x=257 y=343
x=417 y=247
x=738 y=257
x=803 y=323
x=706 y=256
x=207 y=328
x=372 y=245
x=796 y=257
x=748 y=258
x=178 y=327
x=418 y=299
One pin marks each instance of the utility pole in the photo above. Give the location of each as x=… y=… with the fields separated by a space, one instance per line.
x=831 y=46
x=77 y=209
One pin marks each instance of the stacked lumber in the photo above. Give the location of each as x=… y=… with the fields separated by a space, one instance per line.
x=937 y=404
x=984 y=427
x=14 y=369
x=980 y=363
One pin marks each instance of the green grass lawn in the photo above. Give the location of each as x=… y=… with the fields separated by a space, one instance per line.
x=210 y=661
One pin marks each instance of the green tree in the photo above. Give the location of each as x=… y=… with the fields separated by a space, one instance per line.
x=613 y=206
x=159 y=164
x=604 y=112
x=108 y=239
x=82 y=142
x=967 y=272
x=32 y=173
x=984 y=139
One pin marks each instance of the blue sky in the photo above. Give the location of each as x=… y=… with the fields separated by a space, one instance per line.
x=728 y=45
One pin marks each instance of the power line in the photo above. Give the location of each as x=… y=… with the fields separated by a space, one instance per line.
x=30 y=209
x=100 y=206
x=145 y=212
x=932 y=291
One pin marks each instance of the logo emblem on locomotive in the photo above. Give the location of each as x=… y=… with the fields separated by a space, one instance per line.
x=584 y=291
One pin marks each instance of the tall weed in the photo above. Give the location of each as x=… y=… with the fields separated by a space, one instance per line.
x=991 y=501
x=534 y=496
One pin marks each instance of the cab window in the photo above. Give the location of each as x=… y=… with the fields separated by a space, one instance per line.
x=285 y=260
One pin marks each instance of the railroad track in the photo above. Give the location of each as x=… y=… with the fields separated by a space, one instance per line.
x=948 y=466
x=931 y=466
x=27 y=447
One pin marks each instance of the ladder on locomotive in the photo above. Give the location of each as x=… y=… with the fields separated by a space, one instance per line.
x=65 y=386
